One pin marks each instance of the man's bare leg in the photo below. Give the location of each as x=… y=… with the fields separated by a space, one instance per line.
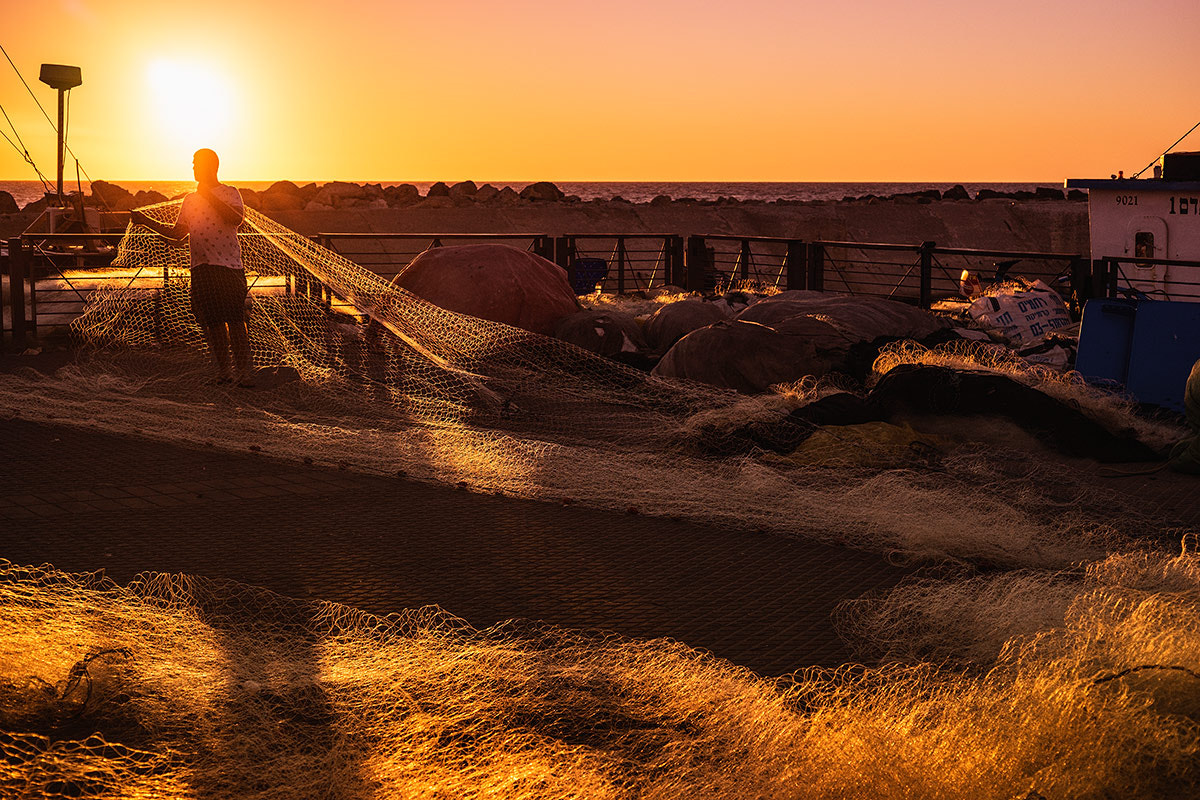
x=218 y=348
x=239 y=340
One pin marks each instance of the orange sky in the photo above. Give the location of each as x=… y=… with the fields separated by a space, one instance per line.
x=774 y=90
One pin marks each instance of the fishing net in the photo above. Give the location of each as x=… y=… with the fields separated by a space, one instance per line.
x=359 y=373
x=176 y=686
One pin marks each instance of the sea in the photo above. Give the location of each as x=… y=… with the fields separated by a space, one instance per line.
x=25 y=192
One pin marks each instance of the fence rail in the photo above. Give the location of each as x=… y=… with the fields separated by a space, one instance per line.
x=49 y=276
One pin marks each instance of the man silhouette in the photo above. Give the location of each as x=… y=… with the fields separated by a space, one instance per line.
x=209 y=218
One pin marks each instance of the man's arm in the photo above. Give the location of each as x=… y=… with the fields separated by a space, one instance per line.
x=174 y=232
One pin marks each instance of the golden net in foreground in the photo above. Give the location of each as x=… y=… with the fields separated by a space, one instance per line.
x=177 y=687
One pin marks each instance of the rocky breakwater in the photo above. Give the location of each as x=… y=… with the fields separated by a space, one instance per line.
x=1046 y=220
x=1042 y=220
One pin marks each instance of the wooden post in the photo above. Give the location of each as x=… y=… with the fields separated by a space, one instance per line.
x=796 y=265
x=697 y=264
x=18 y=265
x=926 y=298
x=816 y=266
x=744 y=256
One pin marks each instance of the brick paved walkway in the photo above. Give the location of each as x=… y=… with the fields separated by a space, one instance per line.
x=84 y=500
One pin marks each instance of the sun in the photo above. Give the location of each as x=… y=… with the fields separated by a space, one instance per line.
x=192 y=104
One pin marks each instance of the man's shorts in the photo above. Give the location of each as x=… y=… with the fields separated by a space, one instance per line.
x=218 y=294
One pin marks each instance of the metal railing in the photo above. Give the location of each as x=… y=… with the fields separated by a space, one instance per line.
x=387 y=254
x=1153 y=278
x=48 y=279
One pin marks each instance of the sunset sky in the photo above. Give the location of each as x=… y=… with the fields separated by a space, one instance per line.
x=774 y=90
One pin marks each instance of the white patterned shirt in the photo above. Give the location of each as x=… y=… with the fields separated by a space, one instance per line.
x=211 y=239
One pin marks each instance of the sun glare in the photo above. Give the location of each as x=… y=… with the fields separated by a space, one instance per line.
x=193 y=105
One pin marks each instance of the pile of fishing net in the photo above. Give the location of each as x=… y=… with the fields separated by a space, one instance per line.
x=359 y=373
x=1081 y=684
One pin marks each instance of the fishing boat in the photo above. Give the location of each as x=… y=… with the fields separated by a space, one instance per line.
x=1142 y=333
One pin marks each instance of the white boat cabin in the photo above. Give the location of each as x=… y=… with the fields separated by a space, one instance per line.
x=1149 y=218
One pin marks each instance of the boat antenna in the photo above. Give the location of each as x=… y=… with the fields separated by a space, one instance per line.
x=1164 y=152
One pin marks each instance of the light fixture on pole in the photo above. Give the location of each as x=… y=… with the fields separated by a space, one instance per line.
x=62 y=78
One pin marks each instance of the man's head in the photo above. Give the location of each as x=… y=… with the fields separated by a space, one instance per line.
x=204 y=165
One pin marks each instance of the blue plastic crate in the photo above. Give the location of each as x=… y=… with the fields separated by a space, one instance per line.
x=1146 y=346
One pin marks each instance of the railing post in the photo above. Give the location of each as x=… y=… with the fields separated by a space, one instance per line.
x=544 y=247
x=18 y=268
x=1099 y=278
x=926 y=298
x=1080 y=288
x=621 y=265
x=816 y=266
x=564 y=256
x=796 y=265
x=676 y=274
x=697 y=265
x=744 y=256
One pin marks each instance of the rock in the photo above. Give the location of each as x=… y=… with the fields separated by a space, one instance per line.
x=272 y=202
x=314 y=205
x=674 y=320
x=992 y=194
x=956 y=192
x=1047 y=193
x=8 y=205
x=37 y=205
x=284 y=188
x=308 y=191
x=250 y=199
x=109 y=195
x=486 y=193
x=437 y=201
x=609 y=333
x=542 y=190
x=750 y=357
x=1077 y=194
x=400 y=196
x=493 y=281
x=464 y=189
x=922 y=196
x=661 y=200
x=148 y=198
x=439 y=189
x=338 y=194
x=507 y=197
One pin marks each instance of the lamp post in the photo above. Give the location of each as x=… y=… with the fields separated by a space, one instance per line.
x=62 y=78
